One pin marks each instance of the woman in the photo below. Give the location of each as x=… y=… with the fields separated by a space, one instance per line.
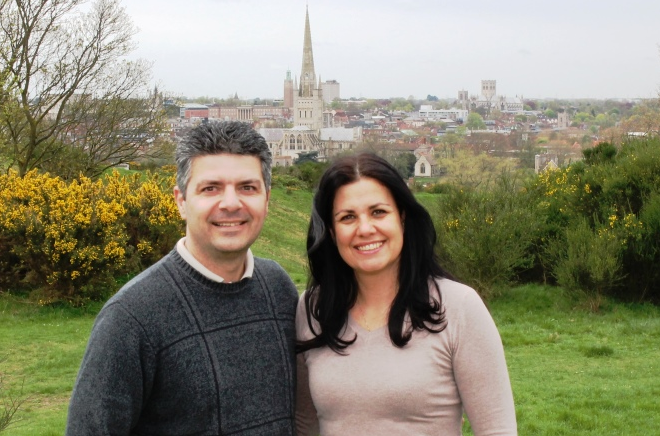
x=388 y=344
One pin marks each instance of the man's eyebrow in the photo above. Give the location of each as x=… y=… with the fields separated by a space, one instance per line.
x=251 y=182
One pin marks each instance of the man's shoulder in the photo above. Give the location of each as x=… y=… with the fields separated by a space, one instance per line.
x=269 y=267
x=147 y=285
x=274 y=275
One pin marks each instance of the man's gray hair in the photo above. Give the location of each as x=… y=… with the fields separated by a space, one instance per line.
x=231 y=137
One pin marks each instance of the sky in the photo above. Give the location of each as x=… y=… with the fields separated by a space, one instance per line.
x=400 y=48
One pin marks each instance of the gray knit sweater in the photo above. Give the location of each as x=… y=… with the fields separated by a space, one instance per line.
x=174 y=353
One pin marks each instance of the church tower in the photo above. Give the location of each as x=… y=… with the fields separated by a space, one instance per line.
x=308 y=97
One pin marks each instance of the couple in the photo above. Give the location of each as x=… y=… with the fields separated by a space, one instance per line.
x=202 y=342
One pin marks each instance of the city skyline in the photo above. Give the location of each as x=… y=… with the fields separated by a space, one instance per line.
x=403 y=48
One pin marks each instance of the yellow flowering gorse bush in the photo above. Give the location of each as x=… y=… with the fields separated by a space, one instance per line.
x=71 y=240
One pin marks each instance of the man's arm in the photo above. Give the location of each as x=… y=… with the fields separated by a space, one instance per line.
x=110 y=389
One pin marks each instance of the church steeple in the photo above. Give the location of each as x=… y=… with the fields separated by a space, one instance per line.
x=307 y=75
x=308 y=95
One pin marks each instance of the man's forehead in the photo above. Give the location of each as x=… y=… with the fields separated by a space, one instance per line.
x=226 y=166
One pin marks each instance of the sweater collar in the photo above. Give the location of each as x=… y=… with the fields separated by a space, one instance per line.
x=185 y=254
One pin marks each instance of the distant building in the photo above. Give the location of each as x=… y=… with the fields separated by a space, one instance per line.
x=330 y=90
x=308 y=95
x=543 y=162
x=194 y=110
x=463 y=99
x=488 y=89
x=288 y=91
x=563 y=120
x=490 y=100
x=426 y=166
x=428 y=113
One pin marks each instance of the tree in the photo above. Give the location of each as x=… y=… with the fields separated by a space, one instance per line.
x=68 y=89
x=475 y=122
x=404 y=162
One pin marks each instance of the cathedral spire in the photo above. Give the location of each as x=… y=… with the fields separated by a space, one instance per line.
x=307 y=75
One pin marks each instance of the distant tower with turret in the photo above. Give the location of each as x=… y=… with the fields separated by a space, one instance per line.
x=488 y=89
x=308 y=96
x=463 y=99
x=288 y=90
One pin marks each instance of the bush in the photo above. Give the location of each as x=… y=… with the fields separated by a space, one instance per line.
x=70 y=241
x=587 y=261
x=611 y=192
x=485 y=235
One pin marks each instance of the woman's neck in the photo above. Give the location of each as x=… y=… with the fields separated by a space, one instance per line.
x=374 y=300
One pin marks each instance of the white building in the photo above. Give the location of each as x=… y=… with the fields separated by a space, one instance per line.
x=427 y=112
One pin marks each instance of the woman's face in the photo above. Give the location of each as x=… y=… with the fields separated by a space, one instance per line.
x=367 y=227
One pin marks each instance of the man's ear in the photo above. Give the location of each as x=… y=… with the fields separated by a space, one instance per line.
x=180 y=201
x=267 y=200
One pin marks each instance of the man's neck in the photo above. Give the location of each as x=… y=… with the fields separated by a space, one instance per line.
x=228 y=267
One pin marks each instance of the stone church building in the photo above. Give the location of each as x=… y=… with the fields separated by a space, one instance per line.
x=308 y=134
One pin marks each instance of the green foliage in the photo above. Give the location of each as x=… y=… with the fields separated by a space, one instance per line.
x=475 y=122
x=586 y=260
x=72 y=240
x=305 y=175
x=9 y=403
x=404 y=163
x=485 y=234
x=607 y=202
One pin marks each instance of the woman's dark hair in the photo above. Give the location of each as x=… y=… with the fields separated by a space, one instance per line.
x=332 y=286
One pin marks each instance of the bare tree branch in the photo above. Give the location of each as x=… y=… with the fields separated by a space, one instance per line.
x=61 y=71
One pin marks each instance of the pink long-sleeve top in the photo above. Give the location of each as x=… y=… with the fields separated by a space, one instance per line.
x=420 y=389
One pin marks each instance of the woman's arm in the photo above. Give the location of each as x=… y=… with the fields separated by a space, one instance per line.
x=480 y=371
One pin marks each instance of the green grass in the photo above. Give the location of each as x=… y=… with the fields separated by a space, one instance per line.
x=285 y=231
x=42 y=349
x=573 y=372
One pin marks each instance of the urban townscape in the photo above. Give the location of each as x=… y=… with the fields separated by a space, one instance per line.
x=521 y=231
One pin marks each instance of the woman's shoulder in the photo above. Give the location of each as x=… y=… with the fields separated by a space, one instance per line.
x=457 y=295
x=303 y=330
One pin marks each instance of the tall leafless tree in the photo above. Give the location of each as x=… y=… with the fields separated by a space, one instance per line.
x=66 y=88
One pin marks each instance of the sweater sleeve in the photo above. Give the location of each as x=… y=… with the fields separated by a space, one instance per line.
x=307 y=423
x=480 y=370
x=110 y=389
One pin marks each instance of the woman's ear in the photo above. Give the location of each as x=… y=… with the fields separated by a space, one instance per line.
x=332 y=235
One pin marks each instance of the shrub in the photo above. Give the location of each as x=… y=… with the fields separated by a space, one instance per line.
x=611 y=192
x=485 y=235
x=587 y=261
x=70 y=241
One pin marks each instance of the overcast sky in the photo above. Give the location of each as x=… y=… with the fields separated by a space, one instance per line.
x=398 y=48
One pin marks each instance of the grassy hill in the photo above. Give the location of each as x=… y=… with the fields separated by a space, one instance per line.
x=573 y=371
x=285 y=231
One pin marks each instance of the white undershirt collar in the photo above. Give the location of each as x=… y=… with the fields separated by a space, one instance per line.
x=188 y=257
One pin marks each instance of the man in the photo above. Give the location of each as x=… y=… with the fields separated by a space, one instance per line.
x=203 y=341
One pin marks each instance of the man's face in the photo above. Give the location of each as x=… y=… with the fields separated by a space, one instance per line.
x=225 y=206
